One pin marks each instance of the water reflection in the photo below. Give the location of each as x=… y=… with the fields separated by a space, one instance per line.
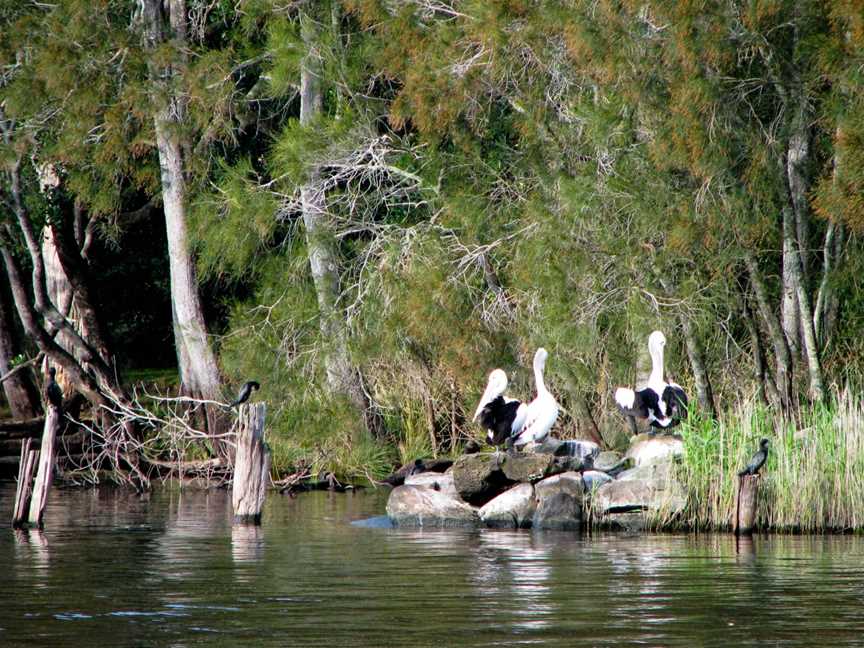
x=171 y=570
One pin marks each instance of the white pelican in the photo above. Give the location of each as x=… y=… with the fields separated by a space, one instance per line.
x=542 y=412
x=661 y=403
x=502 y=417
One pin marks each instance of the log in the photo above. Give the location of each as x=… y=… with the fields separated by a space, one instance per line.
x=251 y=465
x=746 y=501
x=45 y=475
x=25 y=478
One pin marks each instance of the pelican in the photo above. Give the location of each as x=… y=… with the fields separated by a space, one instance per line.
x=661 y=403
x=501 y=416
x=542 y=412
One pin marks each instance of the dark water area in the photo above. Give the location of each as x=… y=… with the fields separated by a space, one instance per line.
x=167 y=569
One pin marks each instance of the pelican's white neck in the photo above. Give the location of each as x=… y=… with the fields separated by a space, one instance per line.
x=539 y=364
x=656 y=377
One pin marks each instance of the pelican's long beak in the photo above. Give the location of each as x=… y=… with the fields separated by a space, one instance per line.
x=488 y=395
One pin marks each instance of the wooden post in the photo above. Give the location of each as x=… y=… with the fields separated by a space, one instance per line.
x=251 y=465
x=26 y=463
x=746 y=500
x=45 y=475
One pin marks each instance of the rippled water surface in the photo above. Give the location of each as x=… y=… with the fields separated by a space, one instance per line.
x=115 y=569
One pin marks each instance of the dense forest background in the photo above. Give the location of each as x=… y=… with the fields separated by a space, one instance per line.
x=369 y=204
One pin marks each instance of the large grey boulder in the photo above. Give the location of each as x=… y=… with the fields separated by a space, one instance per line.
x=559 y=502
x=644 y=488
x=422 y=506
x=607 y=460
x=478 y=477
x=594 y=479
x=442 y=482
x=584 y=450
x=645 y=448
x=521 y=467
x=511 y=509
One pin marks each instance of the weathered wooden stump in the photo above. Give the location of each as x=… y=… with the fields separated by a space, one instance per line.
x=746 y=500
x=47 y=459
x=251 y=465
x=26 y=464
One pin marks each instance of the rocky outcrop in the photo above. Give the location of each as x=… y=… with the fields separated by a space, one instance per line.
x=422 y=506
x=644 y=488
x=645 y=448
x=511 y=509
x=559 y=502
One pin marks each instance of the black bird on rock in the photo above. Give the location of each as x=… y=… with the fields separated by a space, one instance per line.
x=52 y=390
x=757 y=460
x=245 y=392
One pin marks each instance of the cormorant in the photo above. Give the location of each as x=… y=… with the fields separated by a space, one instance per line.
x=52 y=390
x=245 y=393
x=757 y=460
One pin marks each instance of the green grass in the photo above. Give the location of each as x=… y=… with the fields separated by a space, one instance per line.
x=813 y=480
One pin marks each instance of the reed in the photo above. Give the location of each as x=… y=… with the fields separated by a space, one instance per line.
x=813 y=480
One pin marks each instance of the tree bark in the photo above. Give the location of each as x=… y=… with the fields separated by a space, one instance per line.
x=342 y=377
x=782 y=355
x=704 y=392
x=21 y=393
x=199 y=371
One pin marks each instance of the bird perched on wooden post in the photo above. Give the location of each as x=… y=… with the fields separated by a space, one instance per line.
x=245 y=392
x=53 y=392
x=757 y=460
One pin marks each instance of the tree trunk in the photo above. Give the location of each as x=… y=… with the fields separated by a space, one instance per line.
x=767 y=390
x=704 y=392
x=199 y=371
x=782 y=355
x=342 y=377
x=21 y=393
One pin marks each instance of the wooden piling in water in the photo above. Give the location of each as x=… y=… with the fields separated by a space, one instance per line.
x=28 y=460
x=746 y=500
x=251 y=465
x=47 y=459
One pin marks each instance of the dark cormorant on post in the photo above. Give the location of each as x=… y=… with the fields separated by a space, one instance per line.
x=245 y=393
x=52 y=390
x=757 y=460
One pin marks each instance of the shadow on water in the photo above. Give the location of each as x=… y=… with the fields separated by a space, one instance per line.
x=168 y=569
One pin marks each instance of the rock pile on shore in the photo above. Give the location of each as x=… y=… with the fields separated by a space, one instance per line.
x=548 y=487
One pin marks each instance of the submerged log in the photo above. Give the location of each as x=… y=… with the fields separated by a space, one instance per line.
x=251 y=465
x=47 y=458
x=746 y=501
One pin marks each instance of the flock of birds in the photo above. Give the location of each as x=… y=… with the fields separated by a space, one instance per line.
x=512 y=423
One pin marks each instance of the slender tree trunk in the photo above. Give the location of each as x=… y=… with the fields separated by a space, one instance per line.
x=796 y=239
x=342 y=377
x=704 y=392
x=789 y=305
x=21 y=393
x=782 y=355
x=199 y=371
x=767 y=390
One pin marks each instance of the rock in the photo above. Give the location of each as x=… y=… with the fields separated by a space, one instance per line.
x=607 y=460
x=657 y=493
x=657 y=472
x=630 y=522
x=478 y=477
x=559 y=502
x=425 y=507
x=511 y=509
x=442 y=482
x=645 y=448
x=568 y=448
x=594 y=479
x=520 y=467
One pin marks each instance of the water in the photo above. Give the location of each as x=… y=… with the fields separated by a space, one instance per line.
x=115 y=569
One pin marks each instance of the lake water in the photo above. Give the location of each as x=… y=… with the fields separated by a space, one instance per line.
x=167 y=569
